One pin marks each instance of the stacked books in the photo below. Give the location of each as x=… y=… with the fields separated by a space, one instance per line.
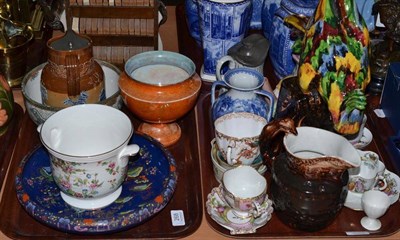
x=119 y=28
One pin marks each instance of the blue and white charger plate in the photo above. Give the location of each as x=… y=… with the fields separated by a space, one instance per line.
x=149 y=186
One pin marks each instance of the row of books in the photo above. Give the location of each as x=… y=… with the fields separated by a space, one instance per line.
x=122 y=3
x=107 y=26
x=118 y=54
x=131 y=31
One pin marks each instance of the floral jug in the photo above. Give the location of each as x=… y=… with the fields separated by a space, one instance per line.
x=334 y=62
x=71 y=76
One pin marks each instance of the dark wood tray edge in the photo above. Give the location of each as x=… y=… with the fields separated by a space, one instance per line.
x=295 y=234
x=183 y=232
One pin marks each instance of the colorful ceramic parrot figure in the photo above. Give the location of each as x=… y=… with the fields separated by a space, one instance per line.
x=334 y=61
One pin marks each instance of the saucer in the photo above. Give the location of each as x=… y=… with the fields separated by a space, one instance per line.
x=223 y=214
x=365 y=139
x=353 y=199
x=150 y=184
x=219 y=166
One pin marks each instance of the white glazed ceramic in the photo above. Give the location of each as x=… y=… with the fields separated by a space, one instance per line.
x=375 y=204
x=232 y=63
x=237 y=136
x=88 y=153
x=353 y=199
x=39 y=112
x=315 y=143
x=244 y=189
x=219 y=166
x=368 y=174
x=220 y=211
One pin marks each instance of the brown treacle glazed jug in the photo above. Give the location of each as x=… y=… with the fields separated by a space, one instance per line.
x=71 y=76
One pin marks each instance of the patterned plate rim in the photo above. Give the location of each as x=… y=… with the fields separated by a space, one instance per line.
x=86 y=225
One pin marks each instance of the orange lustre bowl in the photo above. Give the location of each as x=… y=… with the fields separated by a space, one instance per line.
x=159 y=86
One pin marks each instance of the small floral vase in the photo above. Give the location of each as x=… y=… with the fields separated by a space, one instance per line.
x=6 y=105
x=334 y=62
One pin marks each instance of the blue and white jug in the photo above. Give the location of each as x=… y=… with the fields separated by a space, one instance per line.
x=244 y=94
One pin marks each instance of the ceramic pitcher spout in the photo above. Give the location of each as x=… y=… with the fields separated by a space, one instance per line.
x=319 y=154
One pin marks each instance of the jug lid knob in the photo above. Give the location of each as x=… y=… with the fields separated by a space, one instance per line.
x=70 y=41
x=251 y=51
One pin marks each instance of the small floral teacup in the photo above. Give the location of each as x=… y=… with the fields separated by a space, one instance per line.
x=245 y=190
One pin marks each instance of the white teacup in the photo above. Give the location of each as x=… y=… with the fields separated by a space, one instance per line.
x=237 y=136
x=245 y=190
x=369 y=175
x=89 y=153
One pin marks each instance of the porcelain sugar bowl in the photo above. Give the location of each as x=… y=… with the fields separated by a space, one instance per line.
x=160 y=87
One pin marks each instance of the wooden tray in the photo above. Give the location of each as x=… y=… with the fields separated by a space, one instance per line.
x=187 y=197
x=7 y=141
x=346 y=223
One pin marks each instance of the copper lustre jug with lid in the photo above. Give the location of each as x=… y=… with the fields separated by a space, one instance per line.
x=71 y=76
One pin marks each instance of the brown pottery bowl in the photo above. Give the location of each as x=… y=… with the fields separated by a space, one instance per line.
x=160 y=87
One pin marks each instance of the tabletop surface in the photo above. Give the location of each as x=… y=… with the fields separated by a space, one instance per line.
x=205 y=229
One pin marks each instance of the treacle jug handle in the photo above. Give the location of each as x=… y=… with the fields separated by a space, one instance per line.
x=73 y=75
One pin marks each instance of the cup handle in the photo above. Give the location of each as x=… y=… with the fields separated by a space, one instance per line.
x=271 y=98
x=128 y=151
x=380 y=179
x=221 y=62
x=229 y=156
x=213 y=87
x=258 y=209
x=39 y=128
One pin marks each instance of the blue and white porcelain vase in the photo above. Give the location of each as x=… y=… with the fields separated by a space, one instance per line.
x=242 y=93
x=267 y=14
x=223 y=23
x=281 y=54
x=255 y=22
x=192 y=19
